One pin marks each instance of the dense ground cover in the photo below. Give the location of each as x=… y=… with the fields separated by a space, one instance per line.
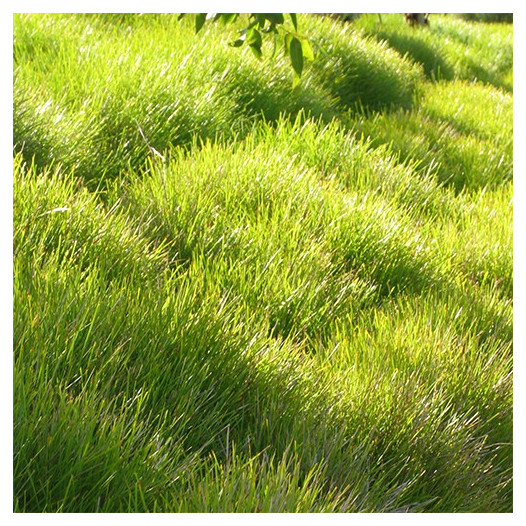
x=230 y=295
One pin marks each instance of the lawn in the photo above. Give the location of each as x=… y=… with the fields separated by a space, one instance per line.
x=232 y=295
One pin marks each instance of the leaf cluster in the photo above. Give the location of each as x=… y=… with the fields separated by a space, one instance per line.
x=296 y=46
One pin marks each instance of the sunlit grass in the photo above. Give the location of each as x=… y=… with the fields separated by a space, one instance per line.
x=449 y=48
x=232 y=296
x=452 y=134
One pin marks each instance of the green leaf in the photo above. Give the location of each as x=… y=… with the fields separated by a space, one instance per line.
x=294 y=20
x=274 y=18
x=181 y=15
x=237 y=43
x=253 y=37
x=254 y=40
x=227 y=18
x=275 y=44
x=256 y=49
x=296 y=55
x=200 y=19
x=308 y=53
x=288 y=40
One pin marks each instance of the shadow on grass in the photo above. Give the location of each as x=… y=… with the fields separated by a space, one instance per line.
x=458 y=160
x=435 y=66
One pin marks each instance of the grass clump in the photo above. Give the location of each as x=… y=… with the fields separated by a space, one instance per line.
x=449 y=48
x=360 y=72
x=443 y=138
x=232 y=296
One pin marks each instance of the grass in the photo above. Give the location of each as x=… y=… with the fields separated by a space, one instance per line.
x=232 y=296
x=453 y=49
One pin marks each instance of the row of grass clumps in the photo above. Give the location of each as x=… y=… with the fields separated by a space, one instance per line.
x=450 y=48
x=233 y=296
x=119 y=107
x=200 y=369
x=102 y=99
x=268 y=284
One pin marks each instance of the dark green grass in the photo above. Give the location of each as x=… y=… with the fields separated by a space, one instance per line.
x=230 y=296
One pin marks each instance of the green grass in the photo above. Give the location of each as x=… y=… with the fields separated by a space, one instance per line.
x=451 y=48
x=105 y=95
x=233 y=296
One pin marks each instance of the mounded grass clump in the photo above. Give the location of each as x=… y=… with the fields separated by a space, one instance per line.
x=467 y=141
x=359 y=72
x=449 y=48
x=233 y=296
x=486 y=113
x=123 y=101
